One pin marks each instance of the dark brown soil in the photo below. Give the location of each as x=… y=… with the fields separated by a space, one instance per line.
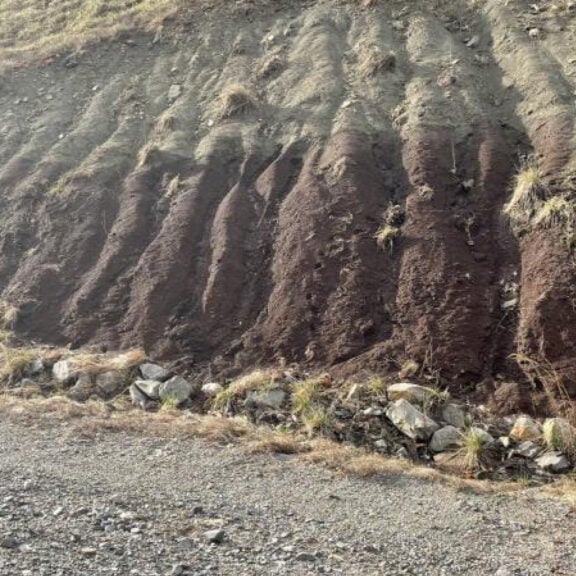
x=230 y=238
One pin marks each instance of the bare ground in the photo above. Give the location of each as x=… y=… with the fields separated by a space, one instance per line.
x=212 y=192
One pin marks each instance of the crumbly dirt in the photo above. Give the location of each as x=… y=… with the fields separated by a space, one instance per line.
x=134 y=212
x=122 y=504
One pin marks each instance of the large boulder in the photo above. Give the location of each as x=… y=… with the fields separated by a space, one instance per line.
x=151 y=371
x=406 y=391
x=177 y=389
x=525 y=428
x=411 y=421
x=446 y=439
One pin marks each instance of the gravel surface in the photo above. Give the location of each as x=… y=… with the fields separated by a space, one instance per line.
x=125 y=505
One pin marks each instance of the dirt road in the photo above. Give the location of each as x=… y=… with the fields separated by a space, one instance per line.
x=125 y=505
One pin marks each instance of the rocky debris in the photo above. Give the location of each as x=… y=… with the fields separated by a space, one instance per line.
x=454 y=415
x=212 y=389
x=554 y=462
x=177 y=389
x=273 y=398
x=405 y=391
x=525 y=428
x=446 y=439
x=411 y=421
x=527 y=449
x=174 y=92
x=155 y=372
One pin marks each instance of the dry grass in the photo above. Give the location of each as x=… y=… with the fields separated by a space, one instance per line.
x=386 y=236
x=14 y=362
x=316 y=419
x=559 y=435
x=93 y=363
x=261 y=379
x=8 y=314
x=374 y=62
x=31 y=29
x=236 y=100
x=305 y=395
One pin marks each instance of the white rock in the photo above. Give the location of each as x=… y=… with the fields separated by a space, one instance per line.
x=151 y=371
x=174 y=91
x=406 y=391
x=445 y=439
x=212 y=389
x=454 y=415
x=265 y=399
x=177 y=388
x=553 y=462
x=525 y=428
x=63 y=371
x=411 y=421
x=528 y=449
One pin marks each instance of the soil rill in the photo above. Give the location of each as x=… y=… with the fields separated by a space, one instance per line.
x=322 y=183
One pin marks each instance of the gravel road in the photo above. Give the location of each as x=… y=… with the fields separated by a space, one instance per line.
x=120 y=504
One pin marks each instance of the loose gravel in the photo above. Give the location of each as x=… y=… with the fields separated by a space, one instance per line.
x=120 y=504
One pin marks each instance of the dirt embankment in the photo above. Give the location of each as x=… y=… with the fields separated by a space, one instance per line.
x=214 y=195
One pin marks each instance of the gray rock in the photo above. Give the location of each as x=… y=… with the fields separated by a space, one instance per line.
x=528 y=449
x=215 y=536
x=411 y=421
x=83 y=388
x=174 y=91
x=150 y=388
x=445 y=439
x=36 y=368
x=177 y=389
x=525 y=428
x=306 y=557
x=179 y=569
x=138 y=397
x=110 y=384
x=553 y=462
x=212 y=389
x=484 y=436
x=265 y=399
x=25 y=382
x=454 y=415
x=406 y=391
x=151 y=371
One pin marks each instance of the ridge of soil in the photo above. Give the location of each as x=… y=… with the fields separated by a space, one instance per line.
x=136 y=209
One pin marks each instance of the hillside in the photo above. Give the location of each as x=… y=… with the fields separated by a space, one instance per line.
x=359 y=185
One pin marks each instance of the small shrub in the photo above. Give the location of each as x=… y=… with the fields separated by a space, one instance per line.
x=559 y=435
x=14 y=362
x=386 y=236
x=473 y=449
x=235 y=101
x=305 y=395
x=316 y=419
x=377 y=386
x=8 y=314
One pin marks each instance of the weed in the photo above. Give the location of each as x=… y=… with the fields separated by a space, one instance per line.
x=169 y=403
x=559 y=435
x=473 y=449
x=235 y=101
x=305 y=395
x=386 y=236
x=6 y=336
x=223 y=399
x=256 y=380
x=377 y=386
x=8 y=314
x=316 y=419
x=409 y=369
x=14 y=362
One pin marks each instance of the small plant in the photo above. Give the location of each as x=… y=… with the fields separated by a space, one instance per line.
x=409 y=369
x=377 y=386
x=169 y=403
x=223 y=398
x=386 y=236
x=6 y=336
x=316 y=419
x=235 y=101
x=434 y=399
x=14 y=362
x=559 y=435
x=256 y=380
x=8 y=314
x=473 y=449
x=305 y=395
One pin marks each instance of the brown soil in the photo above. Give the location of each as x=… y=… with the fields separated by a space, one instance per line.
x=230 y=236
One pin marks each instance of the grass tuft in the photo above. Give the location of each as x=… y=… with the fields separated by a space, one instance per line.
x=235 y=101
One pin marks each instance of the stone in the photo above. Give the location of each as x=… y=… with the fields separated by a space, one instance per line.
x=138 y=397
x=559 y=434
x=88 y=551
x=177 y=389
x=525 y=428
x=25 y=382
x=445 y=439
x=305 y=557
x=174 y=92
x=212 y=389
x=64 y=372
x=473 y=42
x=150 y=388
x=354 y=392
x=36 y=367
x=179 y=569
x=411 y=421
x=110 y=384
x=82 y=389
x=554 y=462
x=265 y=399
x=527 y=449
x=215 y=536
x=454 y=415
x=406 y=391
x=151 y=371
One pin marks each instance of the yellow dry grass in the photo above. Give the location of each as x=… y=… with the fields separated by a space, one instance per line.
x=39 y=28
